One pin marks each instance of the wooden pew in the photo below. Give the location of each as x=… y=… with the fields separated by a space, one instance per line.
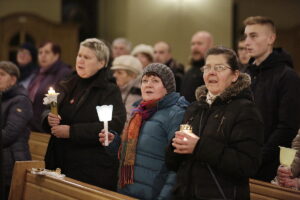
x=28 y=186
x=260 y=190
x=38 y=143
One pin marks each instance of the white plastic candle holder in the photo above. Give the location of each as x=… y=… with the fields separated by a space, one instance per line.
x=105 y=115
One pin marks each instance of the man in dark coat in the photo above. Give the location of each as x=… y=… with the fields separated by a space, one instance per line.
x=16 y=111
x=163 y=54
x=276 y=90
x=242 y=54
x=51 y=71
x=200 y=43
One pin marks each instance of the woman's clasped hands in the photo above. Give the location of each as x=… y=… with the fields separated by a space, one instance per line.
x=184 y=143
x=285 y=177
x=59 y=131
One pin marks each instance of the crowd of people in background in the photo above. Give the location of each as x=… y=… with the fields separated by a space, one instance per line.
x=241 y=106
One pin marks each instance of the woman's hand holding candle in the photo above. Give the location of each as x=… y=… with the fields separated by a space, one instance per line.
x=182 y=145
x=102 y=136
x=53 y=119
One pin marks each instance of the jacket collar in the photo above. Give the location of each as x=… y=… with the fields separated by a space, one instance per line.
x=278 y=58
x=232 y=91
x=100 y=81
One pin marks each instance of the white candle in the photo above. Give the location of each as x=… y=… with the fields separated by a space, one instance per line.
x=105 y=114
x=106 y=133
x=52 y=98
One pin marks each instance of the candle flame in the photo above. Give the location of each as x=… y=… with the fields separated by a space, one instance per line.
x=51 y=91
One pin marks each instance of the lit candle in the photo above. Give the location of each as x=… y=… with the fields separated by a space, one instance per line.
x=105 y=115
x=186 y=128
x=51 y=91
x=52 y=96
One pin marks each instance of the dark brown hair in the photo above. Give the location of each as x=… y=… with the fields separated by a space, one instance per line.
x=55 y=48
x=229 y=54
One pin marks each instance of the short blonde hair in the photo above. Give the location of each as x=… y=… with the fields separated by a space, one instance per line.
x=100 y=48
x=260 y=20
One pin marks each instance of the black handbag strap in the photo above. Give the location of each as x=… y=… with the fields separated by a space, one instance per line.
x=217 y=182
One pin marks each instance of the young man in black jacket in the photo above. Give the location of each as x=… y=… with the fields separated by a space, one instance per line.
x=276 y=89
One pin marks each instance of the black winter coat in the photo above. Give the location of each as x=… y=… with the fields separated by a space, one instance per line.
x=81 y=156
x=276 y=89
x=16 y=113
x=231 y=138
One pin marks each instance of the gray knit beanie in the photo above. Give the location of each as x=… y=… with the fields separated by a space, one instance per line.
x=10 y=68
x=164 y=73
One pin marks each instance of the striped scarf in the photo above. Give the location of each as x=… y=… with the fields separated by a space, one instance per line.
x=130 y=136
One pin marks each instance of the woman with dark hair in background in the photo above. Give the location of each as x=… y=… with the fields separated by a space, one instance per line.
x=27 y=63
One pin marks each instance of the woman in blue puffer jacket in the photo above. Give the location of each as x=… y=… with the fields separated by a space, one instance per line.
x=143 y=173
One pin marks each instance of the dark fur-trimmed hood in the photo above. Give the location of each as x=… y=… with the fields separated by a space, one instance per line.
x=243 y=82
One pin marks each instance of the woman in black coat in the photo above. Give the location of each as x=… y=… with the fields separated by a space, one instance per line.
x=74 y=145
x=16 y=111
x=224 y=150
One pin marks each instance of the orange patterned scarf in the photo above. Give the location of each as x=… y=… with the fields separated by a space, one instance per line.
x=127 y=151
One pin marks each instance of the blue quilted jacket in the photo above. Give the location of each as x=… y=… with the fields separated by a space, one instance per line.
x=152 y=180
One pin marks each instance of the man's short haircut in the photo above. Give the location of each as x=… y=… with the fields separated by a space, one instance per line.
x=166 y=43
x=100 y=48
x=55 y=48
x=260 y=20
x=124 y=41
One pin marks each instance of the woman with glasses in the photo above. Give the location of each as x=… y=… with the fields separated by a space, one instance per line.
x=216 y=160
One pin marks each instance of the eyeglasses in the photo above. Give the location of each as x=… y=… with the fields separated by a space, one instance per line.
x=217 y=68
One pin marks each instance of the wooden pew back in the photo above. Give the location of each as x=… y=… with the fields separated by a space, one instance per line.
x=260 y=190
x=41 y=187
x=38 y=143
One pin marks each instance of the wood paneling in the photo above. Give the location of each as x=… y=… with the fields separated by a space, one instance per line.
x=41 y=30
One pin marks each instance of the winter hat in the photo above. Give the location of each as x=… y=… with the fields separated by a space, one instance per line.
x=31 y=48
x=143 y=48
x=127 y=62
x=164 y=73
x=10 y=68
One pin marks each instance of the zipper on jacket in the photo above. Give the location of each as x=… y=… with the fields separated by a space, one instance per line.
x=220 y=125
